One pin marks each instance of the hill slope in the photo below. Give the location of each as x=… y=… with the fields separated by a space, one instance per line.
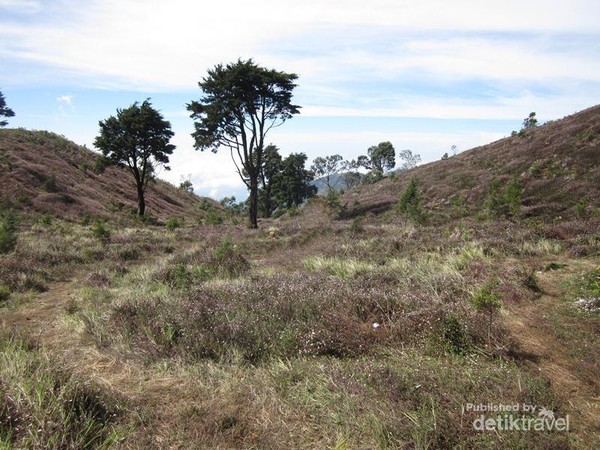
x=556 y=164
x=41 y=172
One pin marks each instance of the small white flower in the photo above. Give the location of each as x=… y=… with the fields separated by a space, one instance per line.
x=376 y=325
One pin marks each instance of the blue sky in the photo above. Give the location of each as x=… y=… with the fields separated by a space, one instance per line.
x=424 y=75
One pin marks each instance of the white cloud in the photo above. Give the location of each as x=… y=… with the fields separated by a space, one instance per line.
x=168 y=45
x=21 y=6
x=497 y=59
x=65 y=99
x=211 y=174
x=502 y=108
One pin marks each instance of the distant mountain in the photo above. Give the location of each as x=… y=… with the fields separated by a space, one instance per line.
x=337 y=180
x=44 y=173
x=556 y=165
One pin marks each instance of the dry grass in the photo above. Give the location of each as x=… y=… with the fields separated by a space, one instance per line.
x=47 y=174
x=42 y=406
x=557 y=164
x=312 y=332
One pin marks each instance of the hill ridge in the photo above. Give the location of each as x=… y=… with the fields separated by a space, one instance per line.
x=557 y=164
x=42 y=172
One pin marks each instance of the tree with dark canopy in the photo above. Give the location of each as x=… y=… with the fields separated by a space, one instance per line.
x=241 y=103
x=5 y=111
x=270 y=168
x=530 y=122
x=139 y=138
x=381 y=157
x=292 y=182
x=284 y=182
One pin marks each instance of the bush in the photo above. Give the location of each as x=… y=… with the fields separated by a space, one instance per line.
x=273 y=317
x=581 y=209
x=357 y=225
x=334 y=201
x=410 y=205
x=172 y=223
x=4 y=293
x=50 y=184
x=8 y=232
x=101 y=232
x=213 y=218
x=100 y=164
x=455 y=336
x=487 y=300
x=228 y=261
x=147 y=219
x=504 y=203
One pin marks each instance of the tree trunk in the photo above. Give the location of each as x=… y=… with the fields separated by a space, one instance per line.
x=141 y=201
x=253 y=202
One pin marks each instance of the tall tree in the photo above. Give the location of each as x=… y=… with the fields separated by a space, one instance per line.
x=270 y=168
x=5 y=111
x=410 y=159
x=530 y=122
x=241 y=103
x=325 y=167
x=139 y=138
x=291 y=185
x=381 y=157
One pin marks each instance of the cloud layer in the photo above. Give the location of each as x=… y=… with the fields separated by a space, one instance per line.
x=467 y=59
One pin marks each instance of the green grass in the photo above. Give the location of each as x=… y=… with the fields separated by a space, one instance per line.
x=260 y=354
x=42 y=406
x=341 y=267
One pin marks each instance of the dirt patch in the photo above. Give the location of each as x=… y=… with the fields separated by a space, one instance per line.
x=535 y=327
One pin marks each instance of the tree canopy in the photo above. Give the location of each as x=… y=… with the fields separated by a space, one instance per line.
x=410 y=159
x=293 y=181
x=5 y=111
x=285 y=182
x=530 y=122
x=241 y=103
x=326 y=167
x=379 y=159
x=139 y=138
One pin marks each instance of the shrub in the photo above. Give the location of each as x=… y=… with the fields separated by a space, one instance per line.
x=46 y=220
x=172 y=223
x=334 y=201
x=487 y=300
x=410 y=205
x=100 y=164
x=50 y=184
x=186 y=186
x=212 y=217
x=4 y=293
x=273 y=317
x=581 y=209
x=357 y=225
x=227 y=261
x=8 y=234
x=148 y=219
x=455 y=336
x=504 y=203
x=101 y=232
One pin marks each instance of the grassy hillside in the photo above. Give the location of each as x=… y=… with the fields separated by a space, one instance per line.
x=43 y=173
x=557 y=165
x=359 y=330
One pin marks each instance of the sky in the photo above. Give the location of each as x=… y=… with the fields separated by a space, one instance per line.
x=424 y=75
